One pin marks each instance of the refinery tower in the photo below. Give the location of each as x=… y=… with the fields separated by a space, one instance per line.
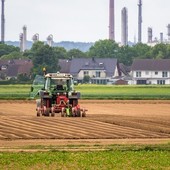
x=3 y=22
x=111 y=21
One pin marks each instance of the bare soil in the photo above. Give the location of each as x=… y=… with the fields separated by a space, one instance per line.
x=107 y=122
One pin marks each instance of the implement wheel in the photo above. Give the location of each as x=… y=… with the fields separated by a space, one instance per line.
x=52 y=114
x=63 y=113
x=38 y=114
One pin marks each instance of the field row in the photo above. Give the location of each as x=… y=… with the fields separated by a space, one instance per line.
x=25 y=127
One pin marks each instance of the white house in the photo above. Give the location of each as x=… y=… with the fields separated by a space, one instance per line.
x=151 y=71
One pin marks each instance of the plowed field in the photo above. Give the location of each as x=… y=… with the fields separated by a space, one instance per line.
x=106 y=121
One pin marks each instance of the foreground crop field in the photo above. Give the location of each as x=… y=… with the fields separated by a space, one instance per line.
x=106 y=121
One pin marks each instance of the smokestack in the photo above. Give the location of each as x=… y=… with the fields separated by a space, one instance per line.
x=111 y=21
x=140 y=22
x=3 y=22
x=124 y=21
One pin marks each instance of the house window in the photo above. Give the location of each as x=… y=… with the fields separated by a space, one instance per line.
x=160 y=81
x=138 y=74
x=97 y=73
x=164 y=74
x=86 y=73
x=156 y=73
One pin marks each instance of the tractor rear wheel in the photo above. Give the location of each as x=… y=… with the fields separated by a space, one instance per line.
x=47 y=113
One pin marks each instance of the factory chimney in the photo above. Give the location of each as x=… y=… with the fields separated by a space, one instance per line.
x=3 y=22
x=140 y=22
x=111 y=21
x=124 y=21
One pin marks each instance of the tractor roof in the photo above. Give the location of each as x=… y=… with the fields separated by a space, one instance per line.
x=59 y=76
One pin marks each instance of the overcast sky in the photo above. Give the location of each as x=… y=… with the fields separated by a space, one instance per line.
x=82 y=20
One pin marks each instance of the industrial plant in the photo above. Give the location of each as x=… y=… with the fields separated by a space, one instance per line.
x=124 y=28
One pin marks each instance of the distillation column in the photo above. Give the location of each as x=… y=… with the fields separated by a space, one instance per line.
x=50 y=40
x=124 y=21
x=140 y=22
x=35 y=37
x=3 y=22
x=150 y=35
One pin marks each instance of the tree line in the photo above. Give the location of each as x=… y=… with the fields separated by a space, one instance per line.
x=43 y=55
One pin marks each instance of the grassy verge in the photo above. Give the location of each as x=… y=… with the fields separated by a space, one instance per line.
x=117 y=157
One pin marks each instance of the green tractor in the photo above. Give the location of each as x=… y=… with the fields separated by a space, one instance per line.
x=56 y=95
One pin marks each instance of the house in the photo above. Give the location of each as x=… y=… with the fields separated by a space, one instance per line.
x=11 y=68
x=99 y=70
x=151 y=71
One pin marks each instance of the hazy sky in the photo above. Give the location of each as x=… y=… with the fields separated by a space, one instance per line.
x=82 y=20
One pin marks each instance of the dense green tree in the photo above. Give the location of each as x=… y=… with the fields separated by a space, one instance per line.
x=86 y=79
x=13 y=55
x=104 y=49
x=7 y=49
x=76 y=53
x=61 y=52
x=23 y=78
x=126 y=55
x=159 y=51
x=44 y=56
x=142 y=51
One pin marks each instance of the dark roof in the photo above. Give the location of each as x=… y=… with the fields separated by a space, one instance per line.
x=13 y=70
x=14 y=61
x=25 y=68
x=107 y=64
x=151 y=64
x=124 y=69
x=64 y=65
x=22 y=67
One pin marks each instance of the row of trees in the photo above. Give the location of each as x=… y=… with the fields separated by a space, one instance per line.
x=43 y=55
